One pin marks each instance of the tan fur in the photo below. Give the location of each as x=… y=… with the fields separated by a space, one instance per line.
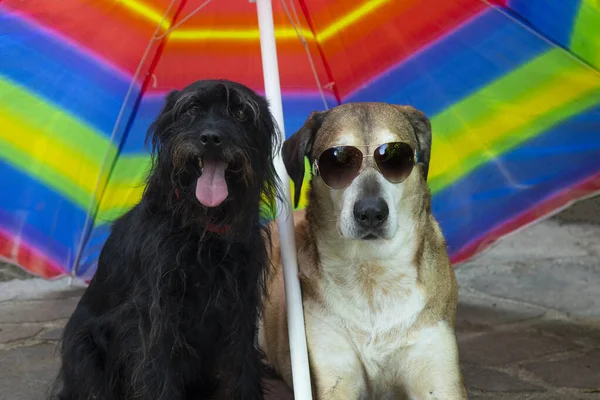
x=379 y=314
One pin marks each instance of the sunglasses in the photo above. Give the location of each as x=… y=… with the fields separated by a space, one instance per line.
x=339 y=165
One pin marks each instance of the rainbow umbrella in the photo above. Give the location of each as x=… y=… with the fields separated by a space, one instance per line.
x=512 y=89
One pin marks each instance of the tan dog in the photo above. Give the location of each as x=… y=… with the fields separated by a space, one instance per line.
x=378 y=290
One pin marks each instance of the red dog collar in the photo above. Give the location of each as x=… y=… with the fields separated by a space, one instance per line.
x=219 y=230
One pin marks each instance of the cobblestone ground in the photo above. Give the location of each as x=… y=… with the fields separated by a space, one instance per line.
x=528 y=322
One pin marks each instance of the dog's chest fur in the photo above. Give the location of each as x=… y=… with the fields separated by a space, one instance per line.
x=374 y=303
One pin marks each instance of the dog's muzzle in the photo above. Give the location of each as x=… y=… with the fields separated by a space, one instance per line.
x=211 y=187
x=211 y=141
x=370 y=215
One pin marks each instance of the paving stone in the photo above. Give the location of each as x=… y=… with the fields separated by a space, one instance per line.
x=584 y=211
x=571 y=286
x=579 y=332
x=542 y=241
x=13 y=333
x=559 y=395
x=36 y=310
x=71 y=293
x=581 y=372
x=25 y=373
x=52 y=334
x=586 y=236
x=9 y=272
x=508 y=347
x=475 y=314
x=38 y=288
x=489 y=380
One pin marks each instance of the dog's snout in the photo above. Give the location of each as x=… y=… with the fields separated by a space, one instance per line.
x=210 y=138
x=371 y=212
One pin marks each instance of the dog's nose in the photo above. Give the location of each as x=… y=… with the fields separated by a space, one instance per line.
x=371 y=212
x=208 y=138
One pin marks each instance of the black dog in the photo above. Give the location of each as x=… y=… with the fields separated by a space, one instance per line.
x=172 y=310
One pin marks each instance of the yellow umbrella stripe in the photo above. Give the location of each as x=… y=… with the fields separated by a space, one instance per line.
x=57 y=125
x=480 y=136
x=235 y=34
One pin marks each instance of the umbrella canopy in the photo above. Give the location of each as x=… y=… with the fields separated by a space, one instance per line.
x=512 y=89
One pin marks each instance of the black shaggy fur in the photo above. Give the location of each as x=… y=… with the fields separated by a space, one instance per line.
x=171 y=312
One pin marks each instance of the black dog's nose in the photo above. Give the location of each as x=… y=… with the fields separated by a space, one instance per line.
x=371 y=212
x=210 y=138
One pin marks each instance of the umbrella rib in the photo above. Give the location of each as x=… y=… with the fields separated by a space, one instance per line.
x=190 y=15
x=298 y=29
x=93 y=203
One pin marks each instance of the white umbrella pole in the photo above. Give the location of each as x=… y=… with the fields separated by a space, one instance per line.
x=297 y=337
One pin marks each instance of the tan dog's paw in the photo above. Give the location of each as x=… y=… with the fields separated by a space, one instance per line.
x=434 y=373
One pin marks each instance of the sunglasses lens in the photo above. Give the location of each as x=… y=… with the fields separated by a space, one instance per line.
x=395 y=161
x=339 y=166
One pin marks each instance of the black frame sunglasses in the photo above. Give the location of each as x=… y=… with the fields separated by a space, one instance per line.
x=338 y=166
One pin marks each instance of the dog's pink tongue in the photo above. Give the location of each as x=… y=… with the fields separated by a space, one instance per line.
x=211 y=188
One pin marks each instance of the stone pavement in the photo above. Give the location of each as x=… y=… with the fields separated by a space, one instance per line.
x=528 y=322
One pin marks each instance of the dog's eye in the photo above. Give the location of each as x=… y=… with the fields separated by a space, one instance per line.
x=240 y=114
x=194 y=110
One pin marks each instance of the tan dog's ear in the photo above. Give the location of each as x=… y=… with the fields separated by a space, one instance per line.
x=422 y=127
x=299 y=146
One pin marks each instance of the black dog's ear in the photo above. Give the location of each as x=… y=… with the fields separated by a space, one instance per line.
x=170 y=100
x=422 y=127
x=154 y=135
x=169 y=103
x=299 y=146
